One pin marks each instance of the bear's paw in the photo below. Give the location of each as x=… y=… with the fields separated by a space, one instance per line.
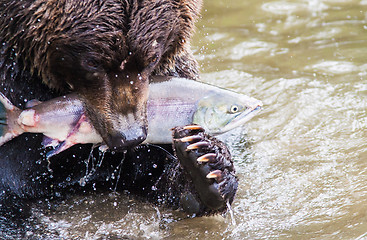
x=208 y=163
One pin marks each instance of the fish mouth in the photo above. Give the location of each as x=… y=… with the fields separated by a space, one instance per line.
x=241 y=118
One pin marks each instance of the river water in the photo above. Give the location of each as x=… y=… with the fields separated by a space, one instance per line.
x=302 y=162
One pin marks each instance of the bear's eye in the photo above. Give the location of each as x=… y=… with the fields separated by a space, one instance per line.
x=90 y=64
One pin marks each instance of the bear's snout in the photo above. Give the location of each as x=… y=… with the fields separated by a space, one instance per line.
x=118 y=109
x=126 y=139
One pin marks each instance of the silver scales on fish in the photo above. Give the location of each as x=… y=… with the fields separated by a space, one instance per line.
x=172 y=102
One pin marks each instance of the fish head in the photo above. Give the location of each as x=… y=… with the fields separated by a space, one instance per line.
x=219 y=112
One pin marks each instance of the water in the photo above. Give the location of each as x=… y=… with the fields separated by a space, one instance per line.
x=302 y=162
x=305 y=176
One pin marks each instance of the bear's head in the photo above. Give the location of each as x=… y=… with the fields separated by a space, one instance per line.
x=103 y=50
x=111 y=83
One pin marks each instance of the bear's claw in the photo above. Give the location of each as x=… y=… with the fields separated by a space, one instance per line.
x=209 y=164
x=209 y=157
x=198 y=145
x=217 y=174
x=194 y=127
x=194 y=138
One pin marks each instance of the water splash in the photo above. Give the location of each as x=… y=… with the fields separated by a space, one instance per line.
x=92 y=163
x=119 y=167
x=233 y=220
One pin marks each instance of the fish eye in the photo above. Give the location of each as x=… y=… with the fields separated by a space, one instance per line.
x=234 y=109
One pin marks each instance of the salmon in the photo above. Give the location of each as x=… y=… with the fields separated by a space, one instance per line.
x=172 y=102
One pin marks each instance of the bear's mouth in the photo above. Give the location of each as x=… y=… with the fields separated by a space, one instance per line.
x=120 y=131
x=117 y=110
x=133 y=136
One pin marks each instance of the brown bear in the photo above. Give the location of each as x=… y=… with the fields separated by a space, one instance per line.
x=106 y=51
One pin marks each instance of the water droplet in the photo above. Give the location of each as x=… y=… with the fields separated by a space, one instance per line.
x=82 y=182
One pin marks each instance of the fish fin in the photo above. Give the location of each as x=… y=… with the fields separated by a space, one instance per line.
x=8 y=126
x=6 y=104
x=6 y=137
x=32 y=103
x=50 y=142
x=70 y=139
x=59 y=148
x=3 y=112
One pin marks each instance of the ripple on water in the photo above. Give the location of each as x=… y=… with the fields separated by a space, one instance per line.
x=291 y=7
x=249 y=48
x=326 y=34
x=333 y=67
x=216 y=36
x=283 y=7
x=102 y=216
x=235 y=80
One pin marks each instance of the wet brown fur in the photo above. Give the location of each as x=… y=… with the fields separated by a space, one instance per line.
x=103 y=49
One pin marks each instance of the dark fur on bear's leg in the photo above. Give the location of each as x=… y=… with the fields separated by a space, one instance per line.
x=209 y=164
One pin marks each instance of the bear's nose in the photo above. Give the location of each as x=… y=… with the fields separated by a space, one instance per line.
x=129 y=138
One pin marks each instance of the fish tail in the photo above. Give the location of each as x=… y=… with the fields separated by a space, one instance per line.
x=8 y=126
x=2 y=117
